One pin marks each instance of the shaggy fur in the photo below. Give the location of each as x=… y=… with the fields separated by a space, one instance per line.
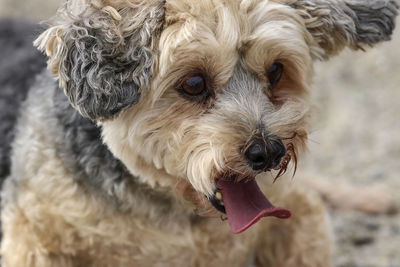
x=19 y=63
x=113 y=165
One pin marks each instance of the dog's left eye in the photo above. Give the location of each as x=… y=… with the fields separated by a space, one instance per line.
x=193 y=86
x=274 y=74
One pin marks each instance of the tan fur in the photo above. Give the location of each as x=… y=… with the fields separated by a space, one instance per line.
x=175 y=147
x=182 y=48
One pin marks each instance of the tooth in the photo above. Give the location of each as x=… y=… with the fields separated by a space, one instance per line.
x=218 y=195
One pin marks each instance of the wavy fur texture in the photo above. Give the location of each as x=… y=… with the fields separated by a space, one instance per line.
x=102 y=56
x=355 y=24
x=113 y=166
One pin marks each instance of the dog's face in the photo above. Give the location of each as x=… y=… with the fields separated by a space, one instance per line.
x=208 y=94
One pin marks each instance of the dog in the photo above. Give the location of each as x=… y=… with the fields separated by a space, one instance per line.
x=161 y=133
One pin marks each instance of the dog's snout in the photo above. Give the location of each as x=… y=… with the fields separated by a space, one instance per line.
x=265 y=155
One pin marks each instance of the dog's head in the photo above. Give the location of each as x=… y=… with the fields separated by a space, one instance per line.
x=207 y=94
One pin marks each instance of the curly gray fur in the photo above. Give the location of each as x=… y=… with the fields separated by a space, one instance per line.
x=375 y=22
x=352 y=23
x=79 y=139
x=106 y=63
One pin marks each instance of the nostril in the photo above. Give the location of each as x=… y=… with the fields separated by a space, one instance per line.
x=256 y=154
x=259 y=158
x=277 y=151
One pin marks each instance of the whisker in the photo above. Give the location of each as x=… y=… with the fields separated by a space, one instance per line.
x=295 y=163
x=289 y=156
x=290 y=138
x=314 y=141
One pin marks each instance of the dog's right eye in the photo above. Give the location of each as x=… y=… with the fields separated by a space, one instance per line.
x=193 y=86
x=274 y=74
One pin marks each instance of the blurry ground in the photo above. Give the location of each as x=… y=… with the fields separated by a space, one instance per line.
x=29 y=9
x=356 y=140
x=354 y=148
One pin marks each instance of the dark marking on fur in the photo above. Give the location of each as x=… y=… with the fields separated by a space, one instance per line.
x=93 y=164
x=89 y=158
x=337 y=24
x=20 y=62
x=81 y=147
x=106 y=63
x=375 y=22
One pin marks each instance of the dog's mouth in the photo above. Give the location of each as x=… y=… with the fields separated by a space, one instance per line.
x=244 y=203
x=242 y=200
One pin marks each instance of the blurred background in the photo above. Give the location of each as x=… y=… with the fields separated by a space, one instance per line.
x=354 y=148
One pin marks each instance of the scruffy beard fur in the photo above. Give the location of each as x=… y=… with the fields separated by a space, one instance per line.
x=122 y=65
x=186 y=140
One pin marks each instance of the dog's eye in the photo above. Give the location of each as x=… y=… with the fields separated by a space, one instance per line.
x=193 y=85
x=274 y=74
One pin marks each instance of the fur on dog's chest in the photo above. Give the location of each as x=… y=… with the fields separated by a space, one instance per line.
x=70 y=210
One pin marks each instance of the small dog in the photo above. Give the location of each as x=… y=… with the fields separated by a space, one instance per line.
x=168 y=112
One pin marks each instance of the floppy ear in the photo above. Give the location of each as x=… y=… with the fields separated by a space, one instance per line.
x=335 y=24
x=102 y=52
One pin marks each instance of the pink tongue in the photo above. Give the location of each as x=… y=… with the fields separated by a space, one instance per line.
x=245 y=204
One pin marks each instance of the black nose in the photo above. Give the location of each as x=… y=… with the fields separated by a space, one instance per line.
x=265 y=155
